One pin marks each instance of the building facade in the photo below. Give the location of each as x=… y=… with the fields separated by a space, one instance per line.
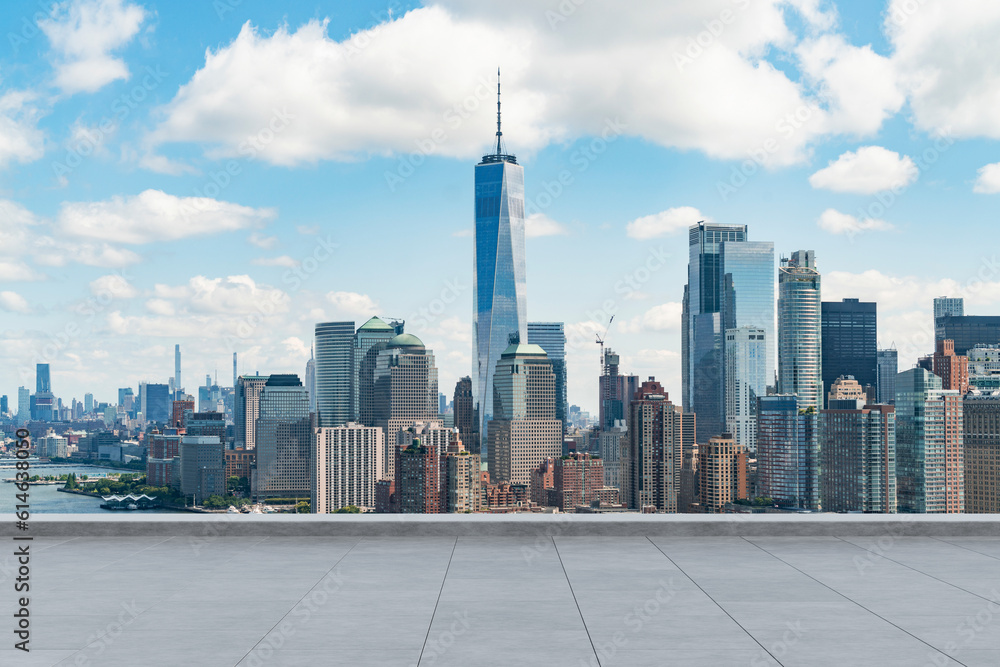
x=850 y=343
x=334 y=345
x=577 y=479
x=524 y=430
x=788 y=463
x=981 y=442
x=202 y=467
x=349 y=460
x=284 y=441
x=929 y=450
x=723 y=473
x=551 y=337
x=465 y=414
x=746 y=380
x=858 y=456
x=967 y=331
x=800 y=351
x=888 y=368
x=246 y=409
x=953 y=369
x=405 y=388
x=368 y=340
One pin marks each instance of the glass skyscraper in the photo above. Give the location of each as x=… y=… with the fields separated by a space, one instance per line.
x=788 y=465
x=850 y=343
x=284 y=440
x=800 y=352
x=499 y=290
x=366 y=346
x=551 y=337
x=334 y=372
x=730 y=285
x=746 y=381
x=888 y=367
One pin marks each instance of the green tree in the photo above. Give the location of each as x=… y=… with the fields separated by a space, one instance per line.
x=302 y=507
x=348 y=509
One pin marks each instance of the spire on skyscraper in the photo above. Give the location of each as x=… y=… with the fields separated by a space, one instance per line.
x=499 y=155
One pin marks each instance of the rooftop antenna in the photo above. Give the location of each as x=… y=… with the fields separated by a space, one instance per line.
x=499 y=133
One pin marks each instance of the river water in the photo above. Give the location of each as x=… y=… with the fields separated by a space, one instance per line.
x=46 y=499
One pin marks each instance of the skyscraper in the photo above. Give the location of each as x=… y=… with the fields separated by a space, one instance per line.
x=88 y=402
x=524 y=430
x=968 y=330
x=953 y=369
x=788 y=465
x=948 y=306
x=368 y=340
x=405 y=387
x=730 y=285
x=284 y=440
x=888 y=368
x=850 y=343
x=658 y=434
x=723 y=473
x=334 y=372
x=858 y=454
x=746 y=380
x=800 y=356
x=499 y=289
x=246 y=409
x=311 y=379
x=929 y=449
x=178 y=387
x=981 y=442
x=23 y=406
x=551 y=337
x=45 y=400
x=465 y=414
x=157 y=400
x=615 y=390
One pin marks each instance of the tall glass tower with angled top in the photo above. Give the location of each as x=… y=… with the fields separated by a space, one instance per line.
x=499 y=287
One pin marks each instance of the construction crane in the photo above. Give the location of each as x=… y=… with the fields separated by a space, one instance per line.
x=600 y=341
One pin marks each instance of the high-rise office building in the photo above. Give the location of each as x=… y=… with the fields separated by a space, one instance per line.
x=368 y=340
x=968 y=330
x=981 y=442
x=857 y=453
x=349 y=460
x=613 y=446
x=524 y=429
x=178 y=387
x=723 y=473
x=948 y=307
x=202 y=467
x=427 y=432
x=888 y=368
x=850 y=343
x=311 y=380
x=658 y=434
x=730 y=285
x=746 y=379
x=465 y=414
x=576 y=480
x=405 y=387
x=953 y=369
x=615 y=390
x=177 y=410
x=418 y=478
x=205 y=424
x=4 y=408
x=461 y=482
x=788 y=465
x=45 y=400
x=800 y=351
x=551 y=337
x=929 y=451
x=23 y=406
x=88 y=403
x=246 y=409
x=284 y=441
x=157 y=400
x=334 y=372
x=499 y=288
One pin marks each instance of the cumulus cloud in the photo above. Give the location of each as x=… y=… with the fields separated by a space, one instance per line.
x=116 y=285
x=154 y=215
x=263 y=241
x=13 y=302
x=83 y=34
x=671 y=221
x=947 y=61
x=869 y=170
x=539 y=224
x=12 y=270
x=20 y=138
x=315 y=98
x=988 y=182
x=835 y=222
x=352 y=303
x=664 y=317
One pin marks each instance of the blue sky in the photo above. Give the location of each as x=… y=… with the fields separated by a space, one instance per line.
x=225 y=175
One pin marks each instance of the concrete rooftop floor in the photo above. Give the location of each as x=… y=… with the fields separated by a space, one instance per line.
x=545 y=600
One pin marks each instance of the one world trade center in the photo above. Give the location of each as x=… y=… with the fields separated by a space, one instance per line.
x=499 y=288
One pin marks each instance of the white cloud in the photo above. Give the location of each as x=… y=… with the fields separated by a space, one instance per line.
x=307 y=230
x=83 y=34
x=539 y=224
x=161 y=307
x=14 y=302
x=671 y=221
x=263 y=241
x=17 y=271
x=238 y=295
x=20 y=138
x=352 y=303
x=463 y=233
x=164 y=165
x=835 y=222
x=946 y=58
x=154 y=215
x=988 y=182
x=115 y=285
x=869 y=170
x=664 y=317
x=283 y=260
x=604 y=71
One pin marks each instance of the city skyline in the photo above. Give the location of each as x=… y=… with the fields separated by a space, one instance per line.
x=266 y=234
